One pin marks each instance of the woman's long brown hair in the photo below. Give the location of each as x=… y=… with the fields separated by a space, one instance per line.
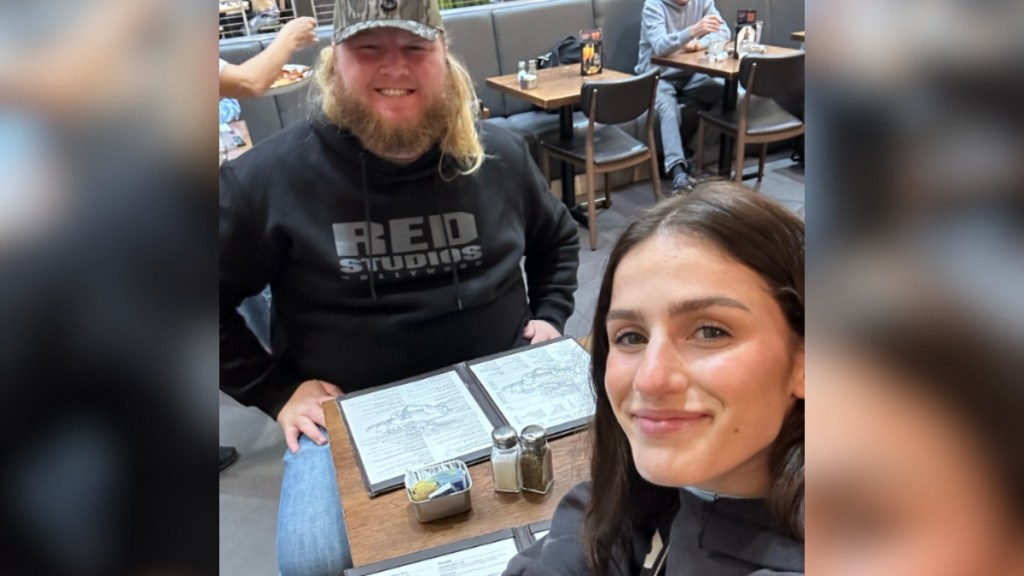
x=767 y=238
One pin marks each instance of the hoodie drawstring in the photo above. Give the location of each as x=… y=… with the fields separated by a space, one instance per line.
x=448 y=243
x=369 y=232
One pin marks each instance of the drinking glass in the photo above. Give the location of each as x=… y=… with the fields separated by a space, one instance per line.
x=757 y=31
x=716 y=51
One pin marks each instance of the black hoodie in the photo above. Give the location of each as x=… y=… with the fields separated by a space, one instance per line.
x=294 y=214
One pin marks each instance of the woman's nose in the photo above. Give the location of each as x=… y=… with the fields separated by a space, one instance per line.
x=661 y=369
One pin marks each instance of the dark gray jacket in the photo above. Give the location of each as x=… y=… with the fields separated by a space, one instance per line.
x=717 y=537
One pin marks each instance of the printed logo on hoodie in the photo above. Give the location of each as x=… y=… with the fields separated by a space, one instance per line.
x=407 y=247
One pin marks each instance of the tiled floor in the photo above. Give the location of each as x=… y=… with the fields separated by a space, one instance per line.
x=249 y=488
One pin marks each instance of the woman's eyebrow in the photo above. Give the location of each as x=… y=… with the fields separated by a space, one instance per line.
x=687 y=306
x=678 y=308
x=624 y=314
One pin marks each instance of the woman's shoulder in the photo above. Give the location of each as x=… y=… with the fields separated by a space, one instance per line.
x=733 y=530
x=561 y=550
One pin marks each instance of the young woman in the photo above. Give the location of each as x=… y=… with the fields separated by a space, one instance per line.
x=698 y=370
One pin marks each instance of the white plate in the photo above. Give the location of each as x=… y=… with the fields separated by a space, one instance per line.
x=307 y=75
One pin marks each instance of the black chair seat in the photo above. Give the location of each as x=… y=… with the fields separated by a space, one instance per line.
x=605 y=104
x=611 y=144
x=764 y=116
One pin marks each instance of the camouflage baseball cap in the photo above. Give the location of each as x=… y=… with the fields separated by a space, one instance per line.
x=421 y=17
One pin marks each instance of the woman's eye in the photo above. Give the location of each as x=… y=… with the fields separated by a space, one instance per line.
x=629 y=339
x=710 y=332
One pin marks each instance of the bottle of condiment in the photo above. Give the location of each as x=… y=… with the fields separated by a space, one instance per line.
x=531 y=73
x=535 y=460
x=505 y=460
x=523 y=78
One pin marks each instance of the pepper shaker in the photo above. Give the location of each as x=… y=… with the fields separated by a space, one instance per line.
x=535 y=460
x=505 y=460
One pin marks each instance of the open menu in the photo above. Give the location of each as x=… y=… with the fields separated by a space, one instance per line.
x=486 y=555
x=451 y=412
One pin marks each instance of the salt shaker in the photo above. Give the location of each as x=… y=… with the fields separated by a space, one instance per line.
x=505 y=460
x=535 y=460
x=531 y=73
x=523 y=77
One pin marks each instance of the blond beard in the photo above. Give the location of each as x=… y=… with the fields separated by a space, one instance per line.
x=386 y=137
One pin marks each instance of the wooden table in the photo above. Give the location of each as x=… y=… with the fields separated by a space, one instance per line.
x=729 y=69
x=242 y=129
x=798 y=36
x=385 y=527
x=557 y=87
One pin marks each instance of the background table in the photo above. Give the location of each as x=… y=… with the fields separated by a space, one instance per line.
x=385 y=527
x=729 y=69
x=558 y=88
x=798 y=36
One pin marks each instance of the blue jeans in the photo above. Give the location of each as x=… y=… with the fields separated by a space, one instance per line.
x=698 y=91
x=311 y=538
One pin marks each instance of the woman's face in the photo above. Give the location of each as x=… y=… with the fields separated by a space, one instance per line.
x=895 y=485
x=702 y=366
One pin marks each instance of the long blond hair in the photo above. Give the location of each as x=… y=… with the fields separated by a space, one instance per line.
x=460 y=142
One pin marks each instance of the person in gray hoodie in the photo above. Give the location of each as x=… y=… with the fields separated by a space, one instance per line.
x=668 y=26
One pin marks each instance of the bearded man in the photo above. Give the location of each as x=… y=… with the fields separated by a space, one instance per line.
x=391 y=227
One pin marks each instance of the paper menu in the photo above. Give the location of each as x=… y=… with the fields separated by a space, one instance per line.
x=450 y=413
x=486 y=555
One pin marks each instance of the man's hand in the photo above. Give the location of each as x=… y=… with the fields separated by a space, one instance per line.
x=539 y=331
x=303 y=414
x=693 y=46
x=300 y=32
x=706 y=25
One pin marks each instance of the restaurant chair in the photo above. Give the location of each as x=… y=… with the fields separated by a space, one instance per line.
x=759 y=119
x=604 y=148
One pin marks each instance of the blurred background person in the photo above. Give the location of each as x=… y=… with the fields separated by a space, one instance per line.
x=914 y=459
x=102 y=328
x=916 y=253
